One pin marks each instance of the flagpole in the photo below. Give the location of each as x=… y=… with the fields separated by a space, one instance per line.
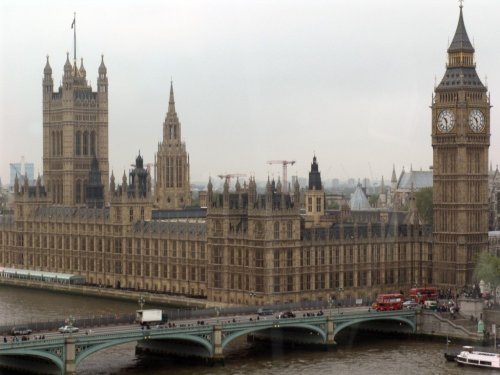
x=74 y=36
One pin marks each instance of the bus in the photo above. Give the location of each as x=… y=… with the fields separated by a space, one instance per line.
x=420 y=295
x=389 y=302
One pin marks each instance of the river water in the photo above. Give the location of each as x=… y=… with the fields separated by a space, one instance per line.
x=360 y=356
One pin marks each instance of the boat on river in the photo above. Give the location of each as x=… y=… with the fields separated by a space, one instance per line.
x=469 y=357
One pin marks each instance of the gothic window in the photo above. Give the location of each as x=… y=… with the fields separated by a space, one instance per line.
x=53 y=136
x=289 y=230
x=276 y=259
x=318 y=204
x=78 y=192
x=92 y=143
x=276 y=231
x=85 y=143
x=78 y=140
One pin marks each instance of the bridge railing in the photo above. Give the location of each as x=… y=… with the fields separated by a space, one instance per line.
x=80 y=322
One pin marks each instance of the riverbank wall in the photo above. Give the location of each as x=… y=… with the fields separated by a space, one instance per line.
x=434 y=324
x=124 y=295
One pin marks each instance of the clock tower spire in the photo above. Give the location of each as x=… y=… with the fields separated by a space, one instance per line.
x=460 y=141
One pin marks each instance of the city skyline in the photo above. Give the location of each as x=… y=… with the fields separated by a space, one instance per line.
x=253 y=82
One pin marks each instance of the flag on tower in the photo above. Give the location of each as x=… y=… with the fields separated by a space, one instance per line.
x=73 y=23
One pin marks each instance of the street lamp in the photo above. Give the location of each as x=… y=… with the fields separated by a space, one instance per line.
x=339 y=290
x=330 y=303
x=141 y=301
x=70 y=321
x=217 y=311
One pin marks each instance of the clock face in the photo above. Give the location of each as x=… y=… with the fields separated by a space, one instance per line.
x=476 y=120
x=446 y=121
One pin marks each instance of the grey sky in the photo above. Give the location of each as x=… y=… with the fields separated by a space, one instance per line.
x=254 y=80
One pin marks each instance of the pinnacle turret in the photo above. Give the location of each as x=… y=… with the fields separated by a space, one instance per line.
x=47 y=70
x=461 y=42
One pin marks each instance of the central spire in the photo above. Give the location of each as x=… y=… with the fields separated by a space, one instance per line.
x=171 y=101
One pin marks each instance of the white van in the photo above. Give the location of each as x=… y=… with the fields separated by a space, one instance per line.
x=430 y=305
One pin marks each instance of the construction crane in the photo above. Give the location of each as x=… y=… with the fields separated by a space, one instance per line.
x=285 y=165
x=227 y=177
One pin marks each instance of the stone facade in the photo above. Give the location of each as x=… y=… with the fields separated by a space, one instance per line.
x=172 y=189
x=460 y=141
x=242 y=246
x=75 y=129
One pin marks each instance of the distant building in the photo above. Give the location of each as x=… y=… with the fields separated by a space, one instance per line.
x=407 y=182
x=22 y=169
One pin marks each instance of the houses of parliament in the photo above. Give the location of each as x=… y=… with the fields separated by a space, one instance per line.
x=241 y=245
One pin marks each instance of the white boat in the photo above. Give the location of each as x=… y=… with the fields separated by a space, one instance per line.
x=469 y=357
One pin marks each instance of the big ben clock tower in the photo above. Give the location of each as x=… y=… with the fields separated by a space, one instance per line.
x=460 y=142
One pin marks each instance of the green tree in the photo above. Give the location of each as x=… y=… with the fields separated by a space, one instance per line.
x=488 y=269
x=423 y=199
x=373 y=200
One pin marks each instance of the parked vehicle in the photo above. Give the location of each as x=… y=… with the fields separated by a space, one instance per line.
x=430 y=305
x=410 y=305
x=68 y=329
x=20 y=331
x=263 y=311
x=151 y=316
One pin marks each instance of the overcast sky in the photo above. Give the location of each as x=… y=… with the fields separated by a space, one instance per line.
x=350 y=81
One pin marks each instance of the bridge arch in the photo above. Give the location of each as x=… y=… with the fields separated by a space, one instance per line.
x=58 y=361
x=93 y=348
x=232 y=336
x=341 y=326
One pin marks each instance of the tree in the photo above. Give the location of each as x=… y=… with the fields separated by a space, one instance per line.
x=423 y=199
x=373 y=200
x=488 y=269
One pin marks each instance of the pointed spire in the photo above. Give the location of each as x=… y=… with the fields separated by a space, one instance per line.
x=461 y=42
x=83 y=72
x=102 y=67
x=393 y=178
x=67 y=65
x=47 y=70
x=382 y=187
x=171 y=101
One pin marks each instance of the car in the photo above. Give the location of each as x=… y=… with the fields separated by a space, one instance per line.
x=410 y=305
x=68 y=329
x=20 y=331
x=263 y=311
x=286 y=314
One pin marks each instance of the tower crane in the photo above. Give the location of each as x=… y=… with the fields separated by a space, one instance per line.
x=285 y=166
x=227 y=177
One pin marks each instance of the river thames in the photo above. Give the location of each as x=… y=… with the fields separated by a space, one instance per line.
x=360 y=356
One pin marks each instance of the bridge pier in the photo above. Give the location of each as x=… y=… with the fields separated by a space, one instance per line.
x=217 y=357
x=330 y=331
x=69 y=356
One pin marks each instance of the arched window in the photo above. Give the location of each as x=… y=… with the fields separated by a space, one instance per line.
x=92 y=144
x=61 y=142
x=84 y=191
x=78 y=192
x=53 y=139
x=60 y=192
x=276 y=230
x=85 y=143
x=78 y=140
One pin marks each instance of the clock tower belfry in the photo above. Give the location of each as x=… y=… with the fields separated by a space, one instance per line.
x=460 y=142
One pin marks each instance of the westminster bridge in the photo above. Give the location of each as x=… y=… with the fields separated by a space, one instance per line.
x=61 y=354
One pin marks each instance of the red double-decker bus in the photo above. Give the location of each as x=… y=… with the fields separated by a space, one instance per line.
x=420 y=295
x=389 y=302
